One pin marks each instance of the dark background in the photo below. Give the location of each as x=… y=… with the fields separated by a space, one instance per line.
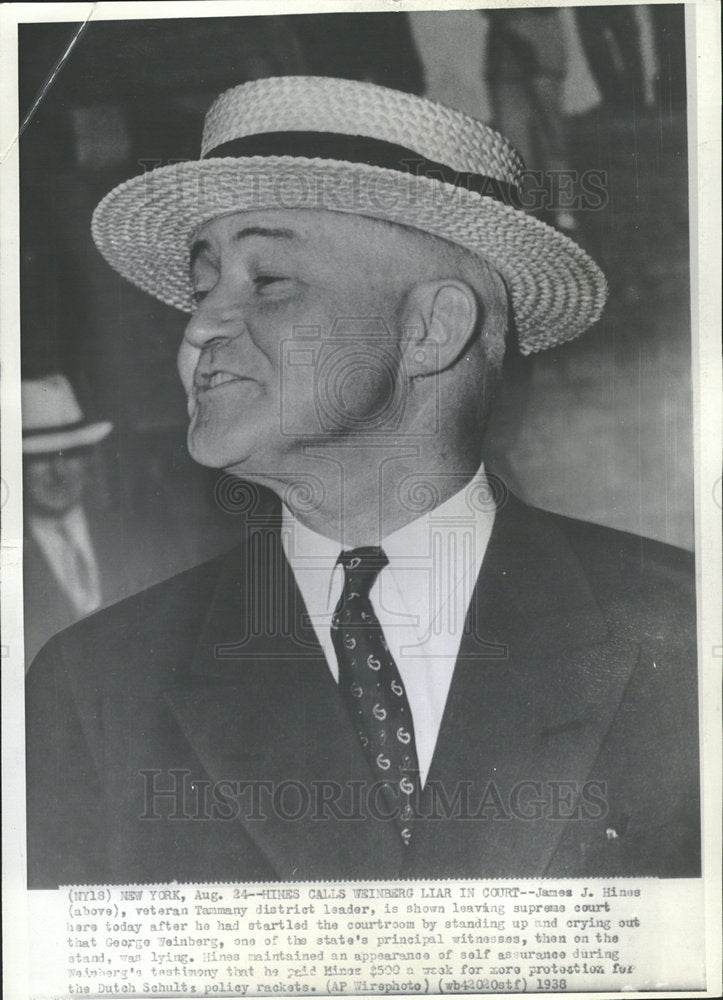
x=599 y=429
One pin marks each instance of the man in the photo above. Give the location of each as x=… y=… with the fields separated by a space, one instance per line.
x=80 y=552
x=402 y=671
x=61 y=577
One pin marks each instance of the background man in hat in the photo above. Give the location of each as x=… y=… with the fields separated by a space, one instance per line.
x=61 y=577
x=402 y=671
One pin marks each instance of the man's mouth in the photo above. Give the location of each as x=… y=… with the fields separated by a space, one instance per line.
x=204 y=383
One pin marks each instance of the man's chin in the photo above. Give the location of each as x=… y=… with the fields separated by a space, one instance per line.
x=214 y=454
x=237 y=457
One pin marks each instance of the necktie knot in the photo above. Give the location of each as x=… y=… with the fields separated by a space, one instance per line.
x=361 y=568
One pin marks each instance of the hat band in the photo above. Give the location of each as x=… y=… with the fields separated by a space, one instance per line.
x=55 y=429
x=365 y=149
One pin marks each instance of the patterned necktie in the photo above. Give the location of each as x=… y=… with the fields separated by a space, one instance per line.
x=371 y=687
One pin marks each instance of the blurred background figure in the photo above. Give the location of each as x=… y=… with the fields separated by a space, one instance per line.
x=526 y=67
x=523 y=71
x=62 y=576
x=453 y=58
x=91 y=539
x=612 y=40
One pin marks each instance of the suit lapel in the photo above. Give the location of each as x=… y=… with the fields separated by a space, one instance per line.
x=260 y=706
x=536 y=684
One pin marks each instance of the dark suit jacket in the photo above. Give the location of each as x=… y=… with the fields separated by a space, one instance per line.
x=568 y=746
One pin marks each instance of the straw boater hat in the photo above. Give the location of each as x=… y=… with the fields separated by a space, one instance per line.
x=52 y=419
x=345 y=146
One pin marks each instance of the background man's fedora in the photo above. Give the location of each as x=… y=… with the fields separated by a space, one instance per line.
x=321 y=143
x=52 y=419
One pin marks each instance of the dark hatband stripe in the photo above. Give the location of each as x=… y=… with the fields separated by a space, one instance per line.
x=364 y=149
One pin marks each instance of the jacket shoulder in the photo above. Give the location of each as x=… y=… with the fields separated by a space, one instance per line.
x=643 y=585
x=622 y=556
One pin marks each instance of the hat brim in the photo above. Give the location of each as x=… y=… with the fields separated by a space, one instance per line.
x=63 y=440
x=144 y=228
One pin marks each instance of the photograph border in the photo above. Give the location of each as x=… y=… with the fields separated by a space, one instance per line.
x=703 y=61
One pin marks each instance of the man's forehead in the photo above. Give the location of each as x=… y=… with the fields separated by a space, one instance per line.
x=289 y=226
x=287 y=223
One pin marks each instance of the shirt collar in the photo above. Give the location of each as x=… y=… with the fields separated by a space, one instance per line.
x=459 y=512
x=303 y=546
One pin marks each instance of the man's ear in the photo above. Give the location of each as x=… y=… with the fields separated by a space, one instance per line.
x=439 y=319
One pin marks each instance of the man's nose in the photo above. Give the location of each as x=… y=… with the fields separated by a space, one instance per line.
x=57 y=468
x=214 y=320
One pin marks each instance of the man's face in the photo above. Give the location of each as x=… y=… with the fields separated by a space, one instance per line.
x=294 y=340
x=53 y=484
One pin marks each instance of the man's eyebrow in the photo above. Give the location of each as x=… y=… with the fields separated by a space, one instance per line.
x=277 y=234
x=201 y=246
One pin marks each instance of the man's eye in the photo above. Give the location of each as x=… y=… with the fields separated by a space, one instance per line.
x=266 y=280
x=199 y=295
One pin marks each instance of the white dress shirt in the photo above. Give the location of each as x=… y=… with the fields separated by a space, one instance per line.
x=66 y=544
x=421 y=597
